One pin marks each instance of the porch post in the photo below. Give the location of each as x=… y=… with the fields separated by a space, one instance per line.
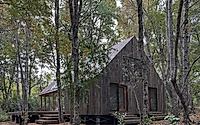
x=53 y=101
x=45 y=103
x=41 y=103
x=49 y=103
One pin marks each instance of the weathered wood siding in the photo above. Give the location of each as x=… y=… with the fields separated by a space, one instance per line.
x=99 y=94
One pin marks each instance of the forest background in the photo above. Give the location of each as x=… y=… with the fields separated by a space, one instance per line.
x=38 y=45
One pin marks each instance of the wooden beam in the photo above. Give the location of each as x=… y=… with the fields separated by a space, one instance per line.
x=53 y=101
x=41 y=102
x=49 y=103
x=45 y=103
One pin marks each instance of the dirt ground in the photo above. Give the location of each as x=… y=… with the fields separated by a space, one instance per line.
x=193 y=117
x=11 y=123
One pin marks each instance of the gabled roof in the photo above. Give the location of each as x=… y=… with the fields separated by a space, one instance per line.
x=52 y=87
x=115 y=49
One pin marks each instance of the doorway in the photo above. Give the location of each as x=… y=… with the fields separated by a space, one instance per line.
x=153 y=102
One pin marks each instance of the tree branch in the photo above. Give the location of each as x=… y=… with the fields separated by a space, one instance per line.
x=194 y=4
x=191 y=67
x=7 y=3
x=177 y=38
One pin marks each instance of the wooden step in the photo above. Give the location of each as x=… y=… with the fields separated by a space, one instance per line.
x=163 y=115
x=155 y=118
x=155 y=113
x=131 y=117
x=40 y=121
x=48 y=118
x=50 y=115
x=132 y=121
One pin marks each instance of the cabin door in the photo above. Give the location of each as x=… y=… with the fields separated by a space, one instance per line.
x=118 y=97
x=153 y=99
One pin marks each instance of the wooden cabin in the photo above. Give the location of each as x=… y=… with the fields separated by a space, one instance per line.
x=119 y=86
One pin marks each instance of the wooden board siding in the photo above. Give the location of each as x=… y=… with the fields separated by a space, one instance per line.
x=99 y=92
x=105 y=93
x=156 y=82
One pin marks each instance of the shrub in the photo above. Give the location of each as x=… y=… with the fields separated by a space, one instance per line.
x=172 y=119
x=147 y=120
x=3 y=116
x=33 y=103
x=120 y=117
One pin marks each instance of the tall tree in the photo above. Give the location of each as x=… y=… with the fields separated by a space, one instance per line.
x=26 y=74
x=16 y=36
x=141 y=56
x=175 y=70
x=170 y=57
x=186 y=86
x=75 y=7
x=58 y=59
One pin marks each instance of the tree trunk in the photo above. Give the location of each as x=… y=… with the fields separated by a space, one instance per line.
x=141 y=56
x=58 y=60
x=17 y=82
x=24 y=76
x=174 y=79
x=17 y=67
x=75 y=9
x=32 y=59
x=185 y=92
x=171 y=65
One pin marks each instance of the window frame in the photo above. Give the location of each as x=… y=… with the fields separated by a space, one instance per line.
x=125 y=96
x=124 y=87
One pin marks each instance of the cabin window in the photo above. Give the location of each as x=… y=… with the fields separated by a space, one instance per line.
x=113 y=97
x=153 y=105
x=118 y=97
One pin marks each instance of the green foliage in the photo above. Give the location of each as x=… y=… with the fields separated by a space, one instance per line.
x=96 y=33
x=196 y=93
x=173 y=120
x=101 y=23
x=9 y=104
x=34 y=103
x=147 y=120
x=120 y=117
x=3 y=116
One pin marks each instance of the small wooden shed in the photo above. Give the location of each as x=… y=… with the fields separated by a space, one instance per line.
x=48 y=97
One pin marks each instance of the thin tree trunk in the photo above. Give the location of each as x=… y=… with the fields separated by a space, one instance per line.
x=24 y=91
x=58 y=60
x=32 y=59
x=24 y=77
x=170 y=37
x=186 y=93
x=141 y=56
x=17 y=82
x=171 y=65
x=17 y=67
x=174 y=79
x=21 y=73
x=75 y=9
